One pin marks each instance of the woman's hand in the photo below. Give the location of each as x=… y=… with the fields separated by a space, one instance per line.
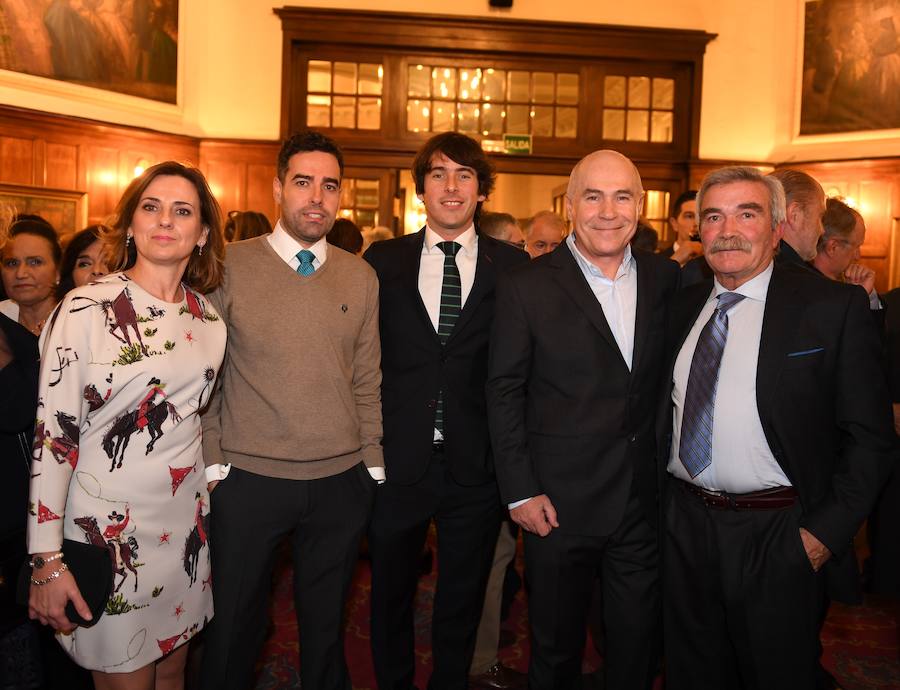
x=47 y=603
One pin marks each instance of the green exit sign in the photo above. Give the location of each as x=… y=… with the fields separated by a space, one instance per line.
x=519 y=144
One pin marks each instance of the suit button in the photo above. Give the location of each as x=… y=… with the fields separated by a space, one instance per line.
x=432 y=404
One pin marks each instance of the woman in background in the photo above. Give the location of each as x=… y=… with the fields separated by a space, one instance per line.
x=82 y=260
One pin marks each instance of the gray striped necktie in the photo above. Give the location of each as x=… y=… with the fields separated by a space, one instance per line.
x=695 y=448
x=451 y=305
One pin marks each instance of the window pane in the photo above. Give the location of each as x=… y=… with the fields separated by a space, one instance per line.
x=613 y=124
x=664 y=93
x=543 y=87
x=345 y=77
x=443 y=117
x=567 y=89
x=318 y=109
x=366 y=218
x=517 y=119
x=494 y=88
x=417 y=115
x=638 y=92
x=656 y=203
x=542 y=121
x=520 y=86
x=566 y=122
x=470 y=84
x=491 y=119
x=370 y=77
x=318 y=76
x=467 y=117
x=367 y=193
x=661 y=126
x=419 y=81
x=343 y=113
x=637 y=125
x=443 y=82
x=348 y=192
x=614 y=92
x=369 y=113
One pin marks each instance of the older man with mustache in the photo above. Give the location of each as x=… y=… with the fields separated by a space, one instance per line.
x=776 y=434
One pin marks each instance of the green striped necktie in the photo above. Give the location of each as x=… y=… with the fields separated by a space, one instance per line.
x=451 y=305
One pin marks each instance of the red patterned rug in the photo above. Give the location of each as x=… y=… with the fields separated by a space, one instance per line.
x=861 y=642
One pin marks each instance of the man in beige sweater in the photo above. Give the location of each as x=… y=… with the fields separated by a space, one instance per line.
x=292 y=439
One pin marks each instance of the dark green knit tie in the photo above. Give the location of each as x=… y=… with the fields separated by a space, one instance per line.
x=451 y=305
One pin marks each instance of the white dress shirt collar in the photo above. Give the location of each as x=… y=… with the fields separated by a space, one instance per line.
x=756 y=288
x=468 y=241
x=287 y=247
x=623 y=271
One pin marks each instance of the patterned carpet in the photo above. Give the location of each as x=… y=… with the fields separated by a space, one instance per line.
x=862 y=645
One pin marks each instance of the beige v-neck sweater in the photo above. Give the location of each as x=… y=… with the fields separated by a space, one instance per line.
x=299 y=395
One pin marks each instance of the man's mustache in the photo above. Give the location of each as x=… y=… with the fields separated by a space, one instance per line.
x=730 y=244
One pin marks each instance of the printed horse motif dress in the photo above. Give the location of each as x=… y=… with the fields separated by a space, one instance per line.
x=117 y=461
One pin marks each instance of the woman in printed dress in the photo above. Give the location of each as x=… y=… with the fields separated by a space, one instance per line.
x=127 y=364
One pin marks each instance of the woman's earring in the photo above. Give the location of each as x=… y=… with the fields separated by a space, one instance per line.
x=199 y=250
x=127 y=240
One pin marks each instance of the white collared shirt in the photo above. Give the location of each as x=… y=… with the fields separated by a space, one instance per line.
x=617 y=297
x=431 y=269
x=741 y=458
x=287 y=248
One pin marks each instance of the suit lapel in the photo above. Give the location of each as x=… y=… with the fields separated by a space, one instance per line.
x=485 y=280
x=573 y=282
x=645 y=285
x=412 y=264
x=782 y=314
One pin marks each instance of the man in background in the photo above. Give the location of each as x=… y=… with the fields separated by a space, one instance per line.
x=543 y=233
x=503 y=227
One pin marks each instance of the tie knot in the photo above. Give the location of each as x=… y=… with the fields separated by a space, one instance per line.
x=727 y=300
x=304 y=256
x=449 y=248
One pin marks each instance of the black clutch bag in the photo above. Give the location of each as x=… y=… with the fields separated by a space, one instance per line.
x=92 y=569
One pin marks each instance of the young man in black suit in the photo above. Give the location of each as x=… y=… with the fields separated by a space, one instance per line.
x=776 y=434
x=436 y=307
x=574 y=380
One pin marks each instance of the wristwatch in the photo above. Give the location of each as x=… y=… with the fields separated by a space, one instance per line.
x=39 y=561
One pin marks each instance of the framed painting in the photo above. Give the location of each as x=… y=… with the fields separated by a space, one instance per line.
x=851 y=66
x=130 y=47
x=65 y=210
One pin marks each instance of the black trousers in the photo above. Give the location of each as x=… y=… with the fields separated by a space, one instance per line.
x=467 y=519
x=742 y=602
x=251 y=514
x=561 y=570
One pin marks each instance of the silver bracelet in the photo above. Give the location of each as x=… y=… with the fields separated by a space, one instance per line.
x=52 y=576
x=39 y=561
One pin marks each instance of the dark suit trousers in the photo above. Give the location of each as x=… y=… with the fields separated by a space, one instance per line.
x=467 y=519
x=561 y=570
x=742 y=603
x=251 y=514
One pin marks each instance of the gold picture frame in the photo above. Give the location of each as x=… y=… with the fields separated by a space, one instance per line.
x=65 y=209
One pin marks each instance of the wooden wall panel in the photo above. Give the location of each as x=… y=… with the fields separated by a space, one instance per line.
x=61 y=166
x=17 y=160
x=259 y=189
x=241 y=174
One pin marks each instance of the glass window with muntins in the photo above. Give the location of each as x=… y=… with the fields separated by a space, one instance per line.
x=359 y=201
x=638 y=108
x=343 y=94
x=491 y=102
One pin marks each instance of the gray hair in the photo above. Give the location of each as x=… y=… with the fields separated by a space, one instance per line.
x=548 y=217
x=839 y=221
x=493 y=223
x=743 y=173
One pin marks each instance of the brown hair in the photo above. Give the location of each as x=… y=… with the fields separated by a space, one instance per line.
x=204 y=271
x=460 y=149
x=839 y=221
x=798 y=186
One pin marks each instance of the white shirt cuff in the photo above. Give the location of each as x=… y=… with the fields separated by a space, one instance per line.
x=516 y=504
x=215 y=473
x=377 y=473
x=874 y=300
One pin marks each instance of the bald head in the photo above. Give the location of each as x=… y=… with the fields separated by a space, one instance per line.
x=543 y=233
x=605 y=160
x=605 y=199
